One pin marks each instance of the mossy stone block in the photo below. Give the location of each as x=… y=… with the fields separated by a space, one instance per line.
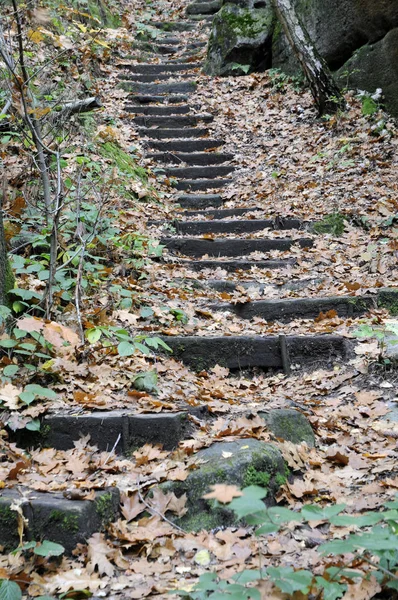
x=233 y=463
x=289 y=425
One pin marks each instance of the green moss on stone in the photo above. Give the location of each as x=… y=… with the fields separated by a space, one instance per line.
x=104 y=508
x=389 y=302
x=254 y=477
x=67 y=522
x=246 y=22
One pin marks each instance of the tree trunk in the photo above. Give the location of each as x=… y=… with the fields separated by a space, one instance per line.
x=6 y=274
x=325 y=91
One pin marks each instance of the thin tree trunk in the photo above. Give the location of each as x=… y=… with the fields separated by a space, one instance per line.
x=325 y=91
x=6 y=274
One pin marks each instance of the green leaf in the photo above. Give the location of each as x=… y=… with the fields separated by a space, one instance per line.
x=289 y=581
x=313 y=512
x=359 y=520
x=47 y=548
x=279 y=515
x=10 y=370
x=126 y=349
x=266 y=529
x=247 y=576
x=27 y=397
x=40 y=391
x=145 y=312
x=337 y=547
x=9 y=590
x=332 y=590
x=146 y=382
x=33 y=425
x=8 y=343
x=250 y=503
x=144 y=349
x=93 y=335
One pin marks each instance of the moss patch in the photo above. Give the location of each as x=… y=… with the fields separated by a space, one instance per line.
x=104 y=508
x=66 y=521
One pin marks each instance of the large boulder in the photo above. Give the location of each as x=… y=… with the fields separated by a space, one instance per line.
x=240 y=41
x=339 y=28
x=242 y=463
x=375 y=66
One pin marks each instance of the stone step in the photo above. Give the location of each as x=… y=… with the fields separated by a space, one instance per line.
x=120 y=430
x=146 y=99
x=197 y=247
x=202 y=184
x=299 y=308
x=199 y=200
x=154 y=89
x=164 y=49
x=167 y=134
x=244 y=352
x=226 y=285
x=192 y=158
x=240 y=264
x=222 y=213
x=179 y=109
x=165 y=67
x=173 y=25
x=172 y=121
x=227 y=226
x=53 y=517
x=155 y=78
x=178 y=145
x=204 y=8
x=209 y=172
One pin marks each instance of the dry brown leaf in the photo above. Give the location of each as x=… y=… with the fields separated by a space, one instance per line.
x=223 y=493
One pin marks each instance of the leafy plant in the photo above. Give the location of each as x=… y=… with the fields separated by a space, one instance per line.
x=385 y=333
x=375 y=544
x=333 y=224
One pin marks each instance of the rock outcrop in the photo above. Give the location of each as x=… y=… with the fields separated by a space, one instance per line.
x=241 y=40
x=357 y=38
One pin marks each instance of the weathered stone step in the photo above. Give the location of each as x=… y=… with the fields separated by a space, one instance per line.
x=120 y=430
x=230 y=247
x=204 y=8
x=172 y=121
x=226 y=226
x=174 y=87
x=242 y=352
x=155 y=78
x=167 y=134
x=241 y=264
x=192 y=158
x=146 y=99
x=199 y=200
x=222 y=213
x=165 y=67
x=202 y=184
x=179 y=109
x=210 y=172
x=208 y=18
x=173 y=25
x=55 y=518
x=299 y=308
x=177 y=145
x=226 y=285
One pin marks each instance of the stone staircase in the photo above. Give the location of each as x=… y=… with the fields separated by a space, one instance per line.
x=180 y=142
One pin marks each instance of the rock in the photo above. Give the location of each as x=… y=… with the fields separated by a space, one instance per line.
x=242 y=463
x=240 y=36
x=358 y=39
x=375 y=66
x=55 y=518
x=339 y=28
x=290 y=425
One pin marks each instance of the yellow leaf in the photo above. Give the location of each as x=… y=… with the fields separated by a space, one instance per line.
x=202 y=558
x=35 y=36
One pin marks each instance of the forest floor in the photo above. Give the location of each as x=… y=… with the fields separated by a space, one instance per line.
x=288 y=164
